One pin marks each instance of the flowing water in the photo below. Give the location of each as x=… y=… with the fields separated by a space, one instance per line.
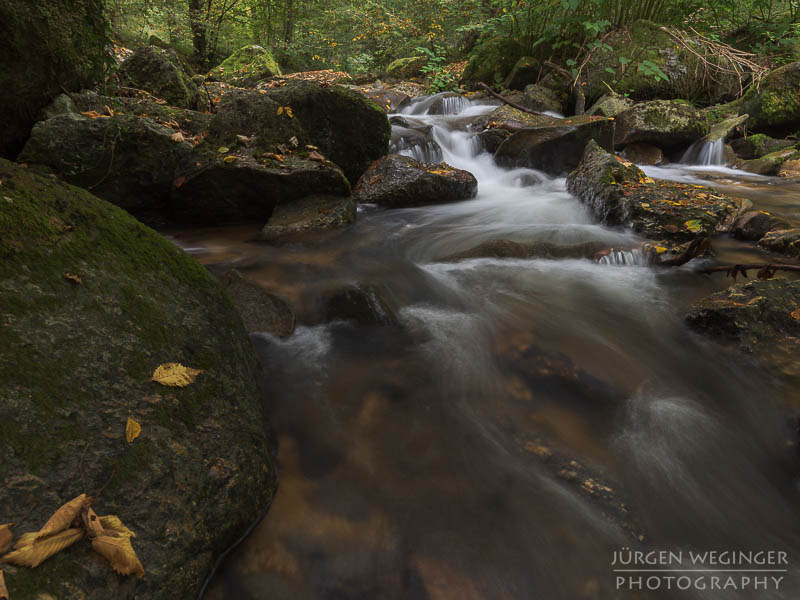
x=530 y=419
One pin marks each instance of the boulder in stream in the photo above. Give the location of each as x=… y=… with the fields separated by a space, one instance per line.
x=783 y=241
x=364 y=304
x=541 y=99
x=318 y=212
x=159 y=72
x=755 y=224
x=774 y=104
x=397 y=181
x=522 y=250
x=261 y=310
x=555 y=149
x=665 y=123
x=92 y=301
x=769 y=164
x=644 y=154
x=610 y=105
x=619 y=193
x=758 y=145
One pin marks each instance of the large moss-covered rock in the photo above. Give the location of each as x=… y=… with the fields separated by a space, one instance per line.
x=129 y=161
x=526 y=71
x=246 y=67
x=512 y=119
x=76 y=360
x=619 y=193
x=398 y=181
x=403 y=68
x=758 y=318
x=758 y=145
x=769 y=164
x=610 y=105
x=347 y=128
x=661 y=122
x=492 y=59
x=555 y=149
x=46 y=47
x=540 y=98
x=784 y=241
x=159 y=72
x=774 y=105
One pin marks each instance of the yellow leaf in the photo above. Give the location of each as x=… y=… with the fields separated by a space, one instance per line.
x=62 y=518
x=174 y=375
x=3 y=589
x=796 y=314
x=91 y=523
x=176 y=137
x=229 y=159
x=223 y=150
x=26 y=539
x=287 y=110
x=694 y=225
x=119 y=552
x=132 y=430
x=73 y=278
x=39 y=551
x=6 y=537
x=280 y=111
x=114 y=527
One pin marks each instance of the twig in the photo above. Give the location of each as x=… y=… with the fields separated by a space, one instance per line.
x=511 y=104
x=27 y=514
x=102 y=489
x=768 y=269
x=697 y=247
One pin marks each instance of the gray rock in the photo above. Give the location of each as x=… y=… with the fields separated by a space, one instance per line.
x=261 y=311
x=785 y=241
x=309 y=214
x=755 y=224
x=159 y=72
x=661 y=122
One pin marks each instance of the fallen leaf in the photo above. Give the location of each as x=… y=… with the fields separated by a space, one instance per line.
x=6 y=537
x=694 y=225
x=132 y=430
x=26 y=539
x=293 y=142
x=114 y=527
x=314 y=155
x=671 y=228
x=108 y=110
x=62 y=518
x=93 y=114
x=274 y=156
x=176 y=137
x=39 y=551
x=223 y=150
x=796 y=314
x=229 y=159
x=119 y=552
x=91 y=523
x=3 y=589
x=285 y=110
x=174 y=375
x=73 y=278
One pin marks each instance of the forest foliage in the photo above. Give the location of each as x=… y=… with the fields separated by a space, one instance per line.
x=364 y=36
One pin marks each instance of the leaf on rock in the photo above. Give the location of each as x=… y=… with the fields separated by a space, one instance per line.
x=26 y=539
x=176 y=137
x=229 y=159
x=3 y=589
x=91 y=523
x=285 y=110
x=223 y=150
x=6 y=537
x=175 y=375
x=694 y=225
x=796 y=314
x=39 y=551
x=132 y=429
x=73 y=278
x=112 y=526
x=119 y=552
x=314 y=155
x=63 y=517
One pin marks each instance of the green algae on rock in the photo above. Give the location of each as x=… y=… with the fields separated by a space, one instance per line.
x=76 y=362
x=246 y=67
x=161 y=73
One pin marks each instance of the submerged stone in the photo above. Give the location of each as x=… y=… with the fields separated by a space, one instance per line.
x=261 y=311
x=312 y=213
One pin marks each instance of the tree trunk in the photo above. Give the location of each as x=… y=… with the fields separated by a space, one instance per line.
x=198 y=24
x=288 y=24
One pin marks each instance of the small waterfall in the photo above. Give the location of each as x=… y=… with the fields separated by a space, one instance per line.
x=636 y=257
x=453 y=105
x=705 y=153
x=428 y=151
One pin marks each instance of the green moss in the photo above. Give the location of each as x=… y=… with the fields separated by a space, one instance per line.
x=405 y=67
x=246 y=66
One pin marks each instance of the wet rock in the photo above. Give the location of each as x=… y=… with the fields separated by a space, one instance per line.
x=391 y=100
x=490 y=140
x=511 y=249
x=61 y=105
x=446 y=103
x=619 y=193
x=755 y=224
x=609 y=105
x=312 y=213
x=661 y=122
x=47 y=47
x=791 y=167
x=555 y=149
x=769 y=164
x=246 y=67
x=526 y=71
x=418 y=141
x=403 y=68
x=512 y=119
x=248 y=189
x=365 y=304
x=160 y=73
x=76 y=361
x=126 y=160
x=758 y=145
x=725 y=129
x=774 y=105
x=540 y=98
x=785 y=241
x=643 y=154
x=398 y=181
x=758 y=318
x=261 y=311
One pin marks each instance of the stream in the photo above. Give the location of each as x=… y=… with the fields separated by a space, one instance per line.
x=529 y=420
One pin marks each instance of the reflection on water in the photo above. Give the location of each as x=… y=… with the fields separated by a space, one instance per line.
x=530 y=418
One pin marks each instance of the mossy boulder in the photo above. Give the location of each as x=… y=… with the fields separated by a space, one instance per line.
x=557 y=148
x=161 y=73
x=619 y=193
x=758 y=145
x=128 y=161
x=526 y=71
x=512 y=119
x=784 y=241
x=769 y=164
x=46 y=47
x=319 y=212
x=755 y=224
x=755 y=318
x=246 y=67
x=774 y=105
x=492 y=59
x=397 y=181
x=403 y=68
x=665 y=123
x=610 y=105
x=366 y=304
x=643 y=154
x=540 y=98
x=76 y=360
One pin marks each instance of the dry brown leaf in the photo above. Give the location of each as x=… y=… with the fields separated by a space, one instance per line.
x=3 y=589
x=76 y=279
x=26 y=539
x=91 y=523
x=796 y=314
x=314 y=155
x=36 y=553
x=176 y=137
x=113 y=527
x=132 y=429
x=62 y=518
x=174 y=375
x=119 y=552
x=6 y=537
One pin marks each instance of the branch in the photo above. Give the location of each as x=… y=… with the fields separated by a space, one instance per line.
x=765 y=270
x=511 y=104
